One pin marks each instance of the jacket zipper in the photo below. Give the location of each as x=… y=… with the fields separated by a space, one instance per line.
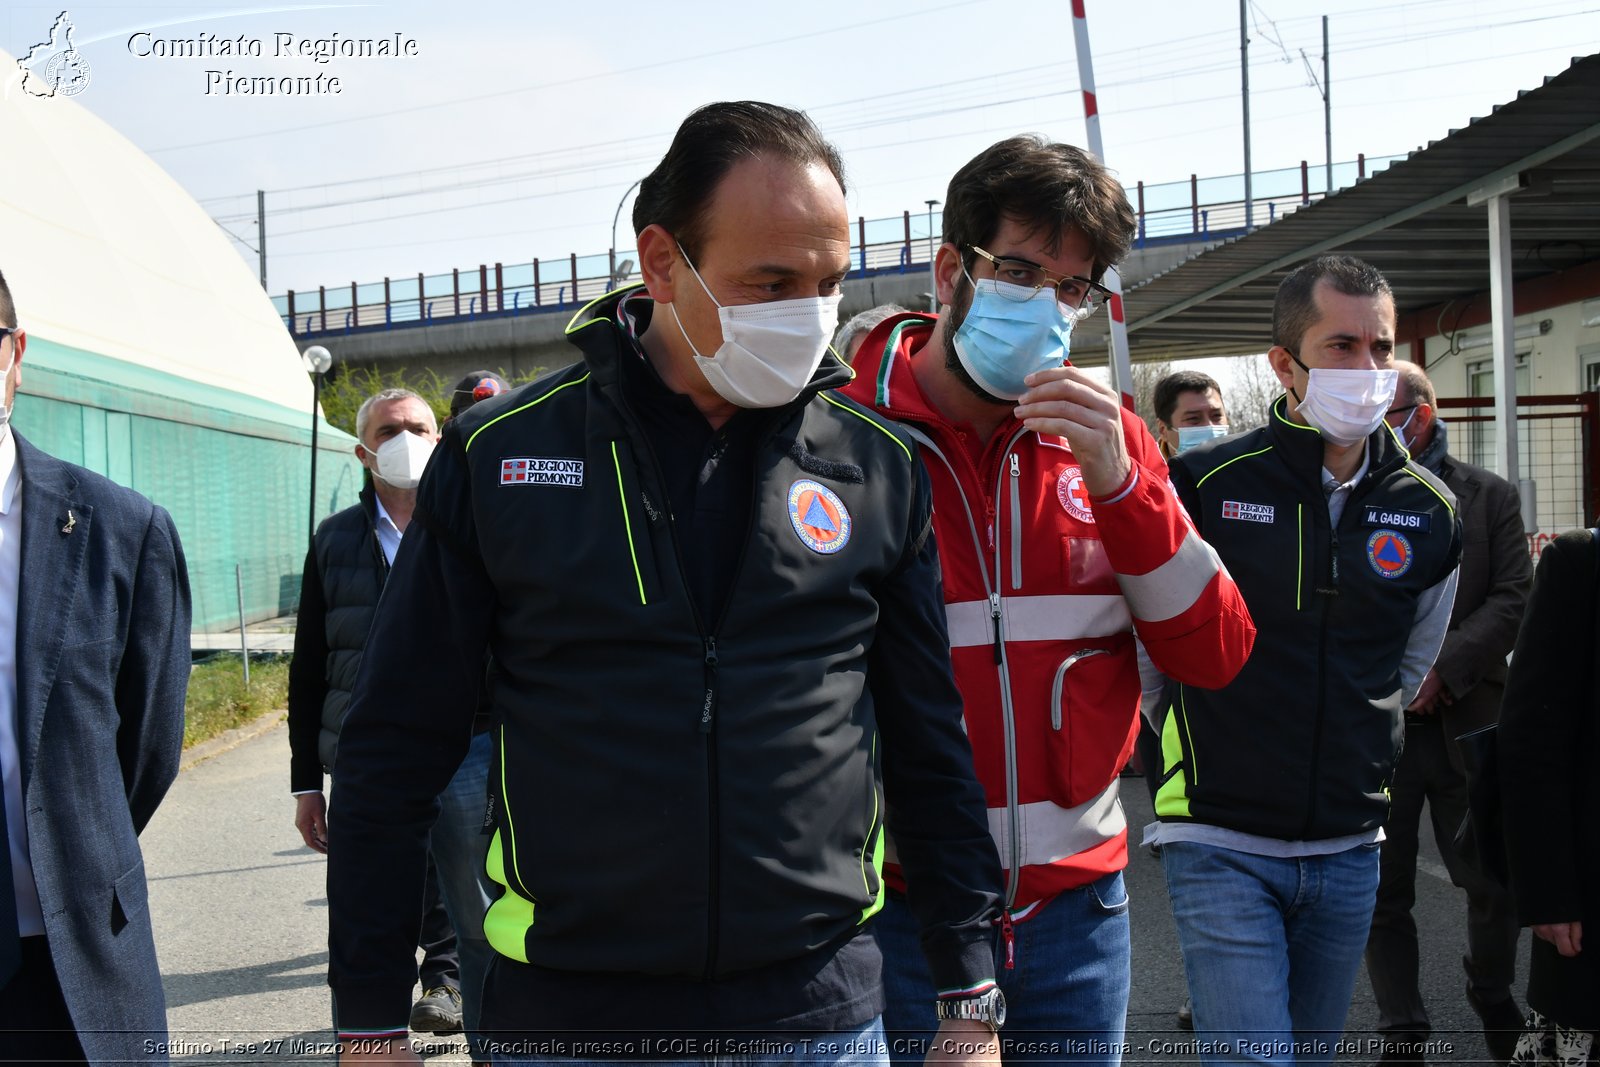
x=1016 y=522
x=706 y=722
x=1061 y=677
x=1007 y=713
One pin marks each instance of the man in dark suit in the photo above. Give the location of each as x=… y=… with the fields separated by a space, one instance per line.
x=1461 y=693
x=94 y=663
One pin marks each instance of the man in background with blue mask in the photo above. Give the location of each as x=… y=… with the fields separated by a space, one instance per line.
x=1060 y=540
x=1189 y=411
x=1274 y=788
x=719 y=666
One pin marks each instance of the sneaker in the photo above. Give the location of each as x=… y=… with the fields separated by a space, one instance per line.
x=438 y=1011
x=1502 y=1023
x=1186 y=1014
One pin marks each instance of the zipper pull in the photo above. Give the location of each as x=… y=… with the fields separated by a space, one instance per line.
x=1016 y=466
x=1009 y=937
x=710 y=702
x=994 y=613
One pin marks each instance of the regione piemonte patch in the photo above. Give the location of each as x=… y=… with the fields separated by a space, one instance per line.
x=1247 y=512
x=818 y=516
x=541 y=470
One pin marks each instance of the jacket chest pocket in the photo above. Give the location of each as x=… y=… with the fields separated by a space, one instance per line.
x=1093 y=702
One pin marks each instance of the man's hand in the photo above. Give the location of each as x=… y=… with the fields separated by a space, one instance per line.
x=1566 y=937
x=1426 y=702
x=311 y=819
x=1068 y=402
x=964 y=1043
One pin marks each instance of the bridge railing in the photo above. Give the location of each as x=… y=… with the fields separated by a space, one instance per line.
x=1171 y=212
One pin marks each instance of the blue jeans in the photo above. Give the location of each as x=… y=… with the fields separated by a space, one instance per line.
x=1066 y=998
x=1271 y=948
x=460 y=849
x=861 y=1047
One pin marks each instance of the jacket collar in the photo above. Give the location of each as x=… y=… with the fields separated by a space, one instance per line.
x=1302 y=447
x=604 y=331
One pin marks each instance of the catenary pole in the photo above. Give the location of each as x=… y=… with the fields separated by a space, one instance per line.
x=1121 y=364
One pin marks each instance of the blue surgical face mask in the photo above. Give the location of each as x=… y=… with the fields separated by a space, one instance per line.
x=1004 y=338
x=1190 y=436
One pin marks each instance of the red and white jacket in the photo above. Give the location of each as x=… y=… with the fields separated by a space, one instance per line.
x=1045 y=589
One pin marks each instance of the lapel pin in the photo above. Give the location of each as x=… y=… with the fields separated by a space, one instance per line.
x=72 y=520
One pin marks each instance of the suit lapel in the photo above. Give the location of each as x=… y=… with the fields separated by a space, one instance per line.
x=55 y=539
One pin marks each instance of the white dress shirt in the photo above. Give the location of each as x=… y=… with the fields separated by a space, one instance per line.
x=30 y=919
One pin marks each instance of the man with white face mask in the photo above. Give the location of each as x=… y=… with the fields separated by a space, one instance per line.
x=1275 y=787
x=710 y=592
x=345 y=573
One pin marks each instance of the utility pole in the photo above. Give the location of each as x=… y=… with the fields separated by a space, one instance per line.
x=261 y=233
x=1327 y=104
x=1244 y=76
x=1325 y=88
x=933 y=248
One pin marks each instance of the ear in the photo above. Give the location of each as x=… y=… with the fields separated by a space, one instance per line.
x=1426 y=417
x=361 y=453
x=1282 y=365
x=947 y=272
x=658 y=255
x=20 y=340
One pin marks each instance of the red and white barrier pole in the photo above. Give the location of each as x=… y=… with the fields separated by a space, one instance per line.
x=1121 y=364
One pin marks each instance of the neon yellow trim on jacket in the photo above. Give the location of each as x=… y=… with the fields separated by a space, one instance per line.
x=525 y=407
x=870 y=421
x=506 y=923
x=627 y=523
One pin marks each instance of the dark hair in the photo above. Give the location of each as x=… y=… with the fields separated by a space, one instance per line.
x=708 y=144
x=1295 y=307
x=1044 y=185
x=1175 y=385
x=8 y=310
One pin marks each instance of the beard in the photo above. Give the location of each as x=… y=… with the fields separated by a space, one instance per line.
x=952 y=360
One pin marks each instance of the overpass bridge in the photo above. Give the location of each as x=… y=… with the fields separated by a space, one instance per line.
x=512 y=316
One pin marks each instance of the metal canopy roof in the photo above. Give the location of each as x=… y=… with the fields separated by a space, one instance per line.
x=1411 y=221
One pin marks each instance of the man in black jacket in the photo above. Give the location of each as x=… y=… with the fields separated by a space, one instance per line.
x=1274 y=788
x=1461 y=693
x=344 y=576
x=720 y=664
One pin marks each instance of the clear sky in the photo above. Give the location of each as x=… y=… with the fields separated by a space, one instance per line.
x=515 y=128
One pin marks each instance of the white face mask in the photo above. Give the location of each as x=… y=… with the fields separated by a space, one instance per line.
x=1345 y=406
x=1190 y=436
x=401 y=459
x=769 y=351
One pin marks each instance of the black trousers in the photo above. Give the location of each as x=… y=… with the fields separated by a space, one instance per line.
x=33 y=999
x=1430 y=770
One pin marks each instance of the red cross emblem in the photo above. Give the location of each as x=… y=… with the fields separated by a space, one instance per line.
x=1074 y=495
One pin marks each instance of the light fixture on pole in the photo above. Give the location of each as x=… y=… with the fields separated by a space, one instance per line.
x=317 y=361
x=933 y=281
x=612 y=282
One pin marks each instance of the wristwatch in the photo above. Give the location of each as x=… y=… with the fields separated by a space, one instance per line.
x=987 y=1008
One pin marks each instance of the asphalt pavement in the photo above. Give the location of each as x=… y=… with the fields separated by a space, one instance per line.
x=240 y=913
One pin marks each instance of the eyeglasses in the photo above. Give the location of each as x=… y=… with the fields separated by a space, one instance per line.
x=1080 y=294
x=1401 y=410
x=7 y=331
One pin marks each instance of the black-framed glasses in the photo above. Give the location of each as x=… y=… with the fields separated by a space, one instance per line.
x=1080 y=294
x=1401 y=410
x=7 y=331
